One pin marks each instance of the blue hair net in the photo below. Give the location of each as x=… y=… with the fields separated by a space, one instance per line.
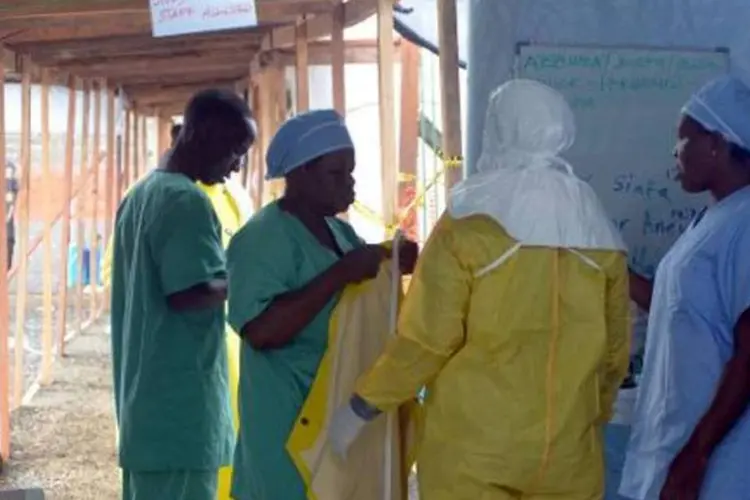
x=305 y=137
x=723 y=106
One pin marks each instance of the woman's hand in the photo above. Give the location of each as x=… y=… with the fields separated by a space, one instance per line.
x=362 y=263
x=408 y=251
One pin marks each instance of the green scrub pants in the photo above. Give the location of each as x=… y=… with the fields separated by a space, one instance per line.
x=170 y=485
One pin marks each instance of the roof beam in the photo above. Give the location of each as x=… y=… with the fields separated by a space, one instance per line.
x=149 y=95
x=162 y=64
x=184 y=77
x=77 y=46
x=104 y=59
x=320 y=53
x=46 y=10
x=34 y=21
x=355 y=11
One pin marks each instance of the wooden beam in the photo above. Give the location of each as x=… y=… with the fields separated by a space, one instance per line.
x=82 y=200
x=64 y=59
x=152 y=91
x=48 y=340
x=112 y=183
x=130 y=17
x=185 y=79
x=450 y=91
x=338 y=60
x=23 y=215
x=321 y=53
x=62 y=286
x=136 y=161
x=301 y=68
x=256 y=170
x=162 y=65
x=4 y=302
x=387 y=110
x=126 y=147
x=154 y=95
x=95 y=165
x=409 y=135
x=77 y=47
x=41 y=33
x=163 y=139
x=355 y=11
x=266 y=130
x=46 y=11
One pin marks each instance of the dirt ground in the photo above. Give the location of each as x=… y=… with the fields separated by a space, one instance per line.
x=64 y=440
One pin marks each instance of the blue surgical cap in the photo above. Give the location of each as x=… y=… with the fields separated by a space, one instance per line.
x=305 y=137
x=723 y=106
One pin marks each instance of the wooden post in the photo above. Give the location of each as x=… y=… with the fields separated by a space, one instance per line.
x=249 y=171
x=386 y=104
x=165 y=135
x=450 y=91
x=112 y=183
x=136 y=146
x=338 y=61
x=48 y=269
x=144 y=145
x=279 y=114
x=4 y=305
x=110 y=186
x=409 y=134
x=266 y=128
x=82 y=201
x=22 y=215
x=279 y=90
x=95 y=165
x=301 y=66
x=258 y=151
x=338 y=64
x=62 y=288
x=126 y=146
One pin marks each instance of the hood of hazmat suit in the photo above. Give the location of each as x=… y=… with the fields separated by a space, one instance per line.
x=516 y=320
x=378 y=463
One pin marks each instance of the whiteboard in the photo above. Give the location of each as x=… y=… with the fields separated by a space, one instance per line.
x=627 y=103
x=181 y=17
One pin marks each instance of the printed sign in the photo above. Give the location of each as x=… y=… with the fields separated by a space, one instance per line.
x=181 y=17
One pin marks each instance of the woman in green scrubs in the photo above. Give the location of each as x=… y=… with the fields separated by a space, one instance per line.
x=287 y=266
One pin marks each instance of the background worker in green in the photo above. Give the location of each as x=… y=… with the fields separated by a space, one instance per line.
x=168 y=291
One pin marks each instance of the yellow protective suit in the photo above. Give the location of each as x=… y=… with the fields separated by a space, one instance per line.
x=522 y=362
x=233 y=207
x=358 y=334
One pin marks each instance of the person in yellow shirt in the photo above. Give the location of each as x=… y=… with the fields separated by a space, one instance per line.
x=233 y=207
x=516 y=321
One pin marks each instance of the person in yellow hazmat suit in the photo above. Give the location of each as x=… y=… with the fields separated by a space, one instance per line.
x=233 y=206
x=516 y=321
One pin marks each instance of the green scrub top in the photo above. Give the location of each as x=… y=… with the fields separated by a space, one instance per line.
x=170 y=368
x=272 y=254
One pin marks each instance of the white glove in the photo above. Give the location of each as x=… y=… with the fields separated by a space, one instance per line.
x=345 y=427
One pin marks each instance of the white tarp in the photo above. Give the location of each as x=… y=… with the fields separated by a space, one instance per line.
x=417 y=21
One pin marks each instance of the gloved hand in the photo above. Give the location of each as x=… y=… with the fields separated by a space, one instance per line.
x=345 y=427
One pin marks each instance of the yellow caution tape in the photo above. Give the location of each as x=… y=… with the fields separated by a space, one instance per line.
x=399 y=217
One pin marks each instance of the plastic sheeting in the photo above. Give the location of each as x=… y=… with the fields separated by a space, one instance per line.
x=417 y=21
x=497 y=26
